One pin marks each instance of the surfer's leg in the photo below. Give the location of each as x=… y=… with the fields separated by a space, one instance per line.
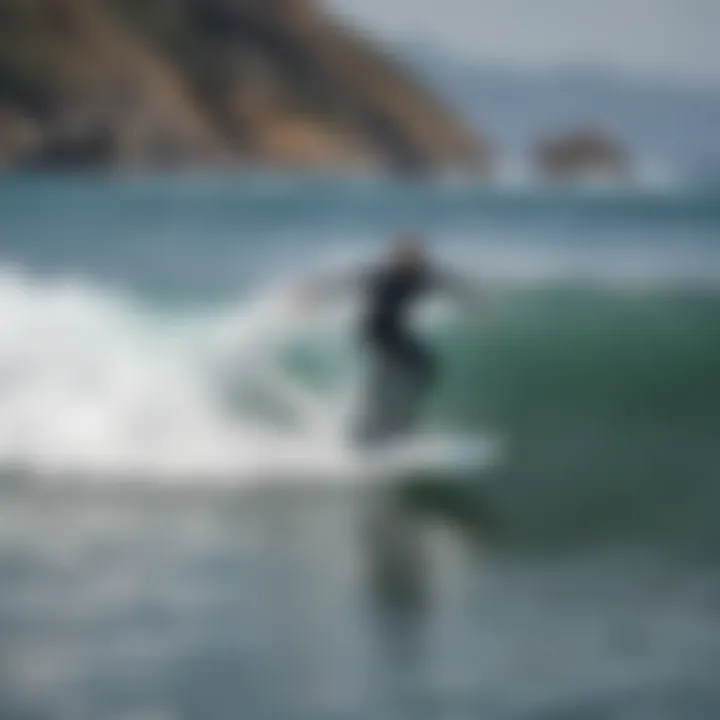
x=419 y=360
x=403 y=371
x=376 y=417
x=416 y=372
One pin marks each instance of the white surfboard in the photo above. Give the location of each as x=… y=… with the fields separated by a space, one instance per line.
x=449 y=456
x=396 y=455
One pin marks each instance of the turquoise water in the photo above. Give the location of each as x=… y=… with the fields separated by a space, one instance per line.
x=164 y=555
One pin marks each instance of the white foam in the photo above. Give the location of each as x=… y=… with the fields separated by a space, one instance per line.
x=93 y=385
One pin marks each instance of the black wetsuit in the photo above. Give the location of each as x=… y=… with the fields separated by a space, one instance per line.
x=386 y=330
x=390 y=292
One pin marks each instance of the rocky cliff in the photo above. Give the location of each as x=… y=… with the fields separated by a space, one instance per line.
x=583 y=153
x=87 y=83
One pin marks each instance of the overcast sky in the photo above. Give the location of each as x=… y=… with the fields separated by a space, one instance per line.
x=678 y=39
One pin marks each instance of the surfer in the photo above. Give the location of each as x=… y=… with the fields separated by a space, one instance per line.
x=391 y=290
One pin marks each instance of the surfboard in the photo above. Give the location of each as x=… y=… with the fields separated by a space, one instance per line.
x=378 y=428
x=440 y=455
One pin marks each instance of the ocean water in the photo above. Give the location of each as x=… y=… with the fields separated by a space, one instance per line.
x=183 y=536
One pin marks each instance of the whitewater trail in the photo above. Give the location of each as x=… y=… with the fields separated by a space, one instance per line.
x=94 y=385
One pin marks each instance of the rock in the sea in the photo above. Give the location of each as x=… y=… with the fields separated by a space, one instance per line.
x=171 y=82
x=582 y=154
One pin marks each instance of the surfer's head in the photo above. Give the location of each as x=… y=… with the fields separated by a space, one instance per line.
x=408 y=250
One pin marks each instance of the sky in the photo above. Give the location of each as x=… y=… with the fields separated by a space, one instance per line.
x=676 y=40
